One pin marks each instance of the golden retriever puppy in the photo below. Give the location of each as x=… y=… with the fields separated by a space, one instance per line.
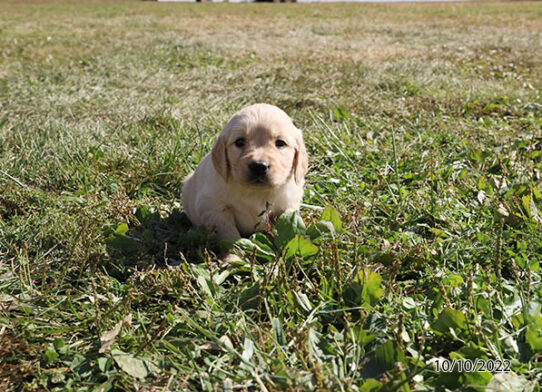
x=254 y=173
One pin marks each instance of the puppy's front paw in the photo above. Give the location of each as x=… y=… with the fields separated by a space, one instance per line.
x=229 y=259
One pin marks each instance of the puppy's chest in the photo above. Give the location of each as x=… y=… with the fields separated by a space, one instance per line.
x=251 y=217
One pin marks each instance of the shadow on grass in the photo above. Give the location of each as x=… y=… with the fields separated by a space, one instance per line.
x=155 y=241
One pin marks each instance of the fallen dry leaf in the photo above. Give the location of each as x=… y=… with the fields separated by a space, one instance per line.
x=108 y=337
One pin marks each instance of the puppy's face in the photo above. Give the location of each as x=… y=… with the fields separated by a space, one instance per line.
x=260 y=147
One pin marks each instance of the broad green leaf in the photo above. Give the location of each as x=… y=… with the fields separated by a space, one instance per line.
x=364 y=336
x=476 y=378
x=249 y=246
x=366 y=289
x=122 y=242
x=510 y=382
x=372 y=288
x=330 y=214
x=135 y=367
x=51 y=356
x=386 y=258
x=262 y=241
x=104 y=364
x=482 y=304
x=472 y=351
x=143 y=213
x=534 y=308
x=122 y=229
x=387 y=354
x=300 y=246
x=450 y=318
x=279 y=333
x=530 y=208
x=201 y=272
x=371 y=385
x=248 y=298
x=533 y=335
x=60 y=346
x=320 y=229
x=80 y=365
x=352 y=294
x=288 y=225
x=453 y=280
x=204 y=284
x=219 y=278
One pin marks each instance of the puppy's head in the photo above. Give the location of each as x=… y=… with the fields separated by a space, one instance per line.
x=260 y=147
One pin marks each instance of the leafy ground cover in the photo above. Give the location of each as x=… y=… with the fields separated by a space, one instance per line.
x=420 y=240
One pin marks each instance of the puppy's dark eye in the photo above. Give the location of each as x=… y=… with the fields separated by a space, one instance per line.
x=280 y=143
x=240 y=142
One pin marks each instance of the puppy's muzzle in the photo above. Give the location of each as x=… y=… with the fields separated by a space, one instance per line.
x=258 y=172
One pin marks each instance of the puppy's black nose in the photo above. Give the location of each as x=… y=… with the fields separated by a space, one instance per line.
x=258 y=169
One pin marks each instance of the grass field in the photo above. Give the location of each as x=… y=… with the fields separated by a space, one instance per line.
x=423 y=125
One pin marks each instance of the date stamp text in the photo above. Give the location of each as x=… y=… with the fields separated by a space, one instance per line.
x=469 y=365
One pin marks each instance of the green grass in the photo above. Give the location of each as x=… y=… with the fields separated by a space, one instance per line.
x=423 y=126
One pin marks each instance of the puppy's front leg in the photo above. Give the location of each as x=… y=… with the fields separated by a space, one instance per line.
x=222 y=222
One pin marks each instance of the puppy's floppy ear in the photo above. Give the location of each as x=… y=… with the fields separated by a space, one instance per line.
x=220 y=157
x=301 y=160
